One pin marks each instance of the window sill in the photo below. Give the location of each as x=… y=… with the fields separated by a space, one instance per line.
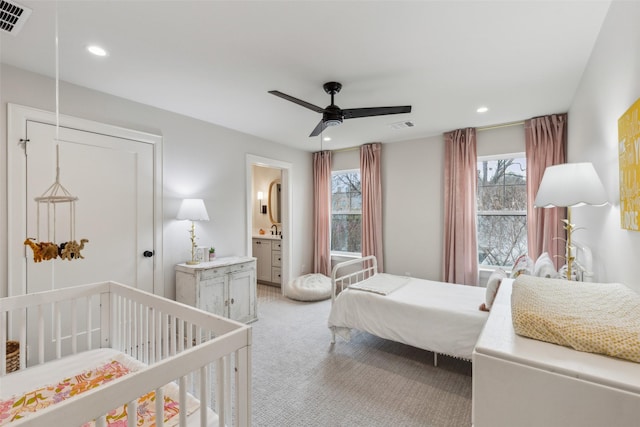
x=349 y=255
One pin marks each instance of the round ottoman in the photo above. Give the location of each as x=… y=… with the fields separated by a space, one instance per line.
x=309 y=287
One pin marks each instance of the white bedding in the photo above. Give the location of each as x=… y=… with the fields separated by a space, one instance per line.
x=436 y=316
x=35 y=377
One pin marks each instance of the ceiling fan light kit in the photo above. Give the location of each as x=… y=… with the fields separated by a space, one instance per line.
x=333 y=115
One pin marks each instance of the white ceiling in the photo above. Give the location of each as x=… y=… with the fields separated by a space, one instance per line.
x=216 y=60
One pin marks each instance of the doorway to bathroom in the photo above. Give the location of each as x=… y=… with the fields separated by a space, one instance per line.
x=269 y=219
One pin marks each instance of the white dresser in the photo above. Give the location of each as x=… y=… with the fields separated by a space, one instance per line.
x=225 y=286
x=268 y=252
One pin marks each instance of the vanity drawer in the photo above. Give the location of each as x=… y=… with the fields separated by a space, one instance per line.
x=276 y=259
x=276 y=245
x=275 y=275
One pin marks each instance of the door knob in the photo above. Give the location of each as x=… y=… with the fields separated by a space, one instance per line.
x=147 y=254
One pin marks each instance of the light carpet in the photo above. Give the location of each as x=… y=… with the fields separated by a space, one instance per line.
x=300 y=379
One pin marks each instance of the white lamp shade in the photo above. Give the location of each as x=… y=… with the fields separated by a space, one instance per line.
x=569 y=185
x=260 y=195
x=193 y=210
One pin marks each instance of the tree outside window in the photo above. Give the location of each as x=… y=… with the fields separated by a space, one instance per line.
x=502 y=210
x=346 y=211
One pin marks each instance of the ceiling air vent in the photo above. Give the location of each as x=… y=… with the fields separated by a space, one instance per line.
x=12 y=16
x=402 y=125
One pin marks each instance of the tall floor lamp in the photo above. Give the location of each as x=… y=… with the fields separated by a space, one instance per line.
x=193 y=210
x=570 y=185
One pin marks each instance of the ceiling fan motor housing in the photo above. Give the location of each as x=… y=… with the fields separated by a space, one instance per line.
x=332 y=115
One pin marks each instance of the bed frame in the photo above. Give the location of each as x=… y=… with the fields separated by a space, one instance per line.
x=351 y=272
x=205 y=355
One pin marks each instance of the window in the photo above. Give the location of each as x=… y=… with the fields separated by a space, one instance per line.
x=346 y=211
x=502 y=209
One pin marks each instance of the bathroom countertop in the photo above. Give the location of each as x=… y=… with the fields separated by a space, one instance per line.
x=266 y=236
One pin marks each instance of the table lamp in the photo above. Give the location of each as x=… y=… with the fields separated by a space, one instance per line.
x=193 y=210
x=570 y=185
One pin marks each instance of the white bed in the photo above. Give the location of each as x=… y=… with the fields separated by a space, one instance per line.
x=73 y=339
x=440 y=317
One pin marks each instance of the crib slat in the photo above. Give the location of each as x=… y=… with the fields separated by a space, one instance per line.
x=159 y=407
x=89 y=324
x=204 y=392
x=227 y=386
x=243 y=386
x=101 y=421
x=220 y=396
x=40 y=335
x=74 y=326
x=23 y=337
x=3 y=343
x=132 y=413
x=183 y=400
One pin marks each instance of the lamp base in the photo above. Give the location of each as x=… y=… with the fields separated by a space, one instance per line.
x=192 y=262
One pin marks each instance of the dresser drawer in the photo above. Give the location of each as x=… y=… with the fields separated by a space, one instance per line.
x=241 y=267
x=212 y=273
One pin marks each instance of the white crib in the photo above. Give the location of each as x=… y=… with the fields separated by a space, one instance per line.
x=204 y=357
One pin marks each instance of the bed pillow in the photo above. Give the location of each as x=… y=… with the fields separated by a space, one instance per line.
x=544 y=267
x=523 y=265
x=493 y=284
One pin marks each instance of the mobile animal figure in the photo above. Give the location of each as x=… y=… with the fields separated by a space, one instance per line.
x=37 y=251
x=72 y=249
x=49 y=250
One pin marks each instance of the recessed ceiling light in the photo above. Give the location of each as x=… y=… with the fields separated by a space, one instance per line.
x=97 y=50
x=326 y=138
x=482 y=109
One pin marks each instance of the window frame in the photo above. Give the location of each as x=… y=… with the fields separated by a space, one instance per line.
x=344 y=254
x=490 y=157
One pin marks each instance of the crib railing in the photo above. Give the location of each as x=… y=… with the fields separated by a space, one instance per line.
x=205 y=355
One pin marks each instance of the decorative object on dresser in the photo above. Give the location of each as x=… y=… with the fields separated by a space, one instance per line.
x=212 y=253
x=570 y=185
x=193 y=210
x=269 y=260
x=225 y=286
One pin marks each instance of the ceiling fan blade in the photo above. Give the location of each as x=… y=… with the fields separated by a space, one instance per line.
x=353 y=113
x=321 y=126
x=297 y=101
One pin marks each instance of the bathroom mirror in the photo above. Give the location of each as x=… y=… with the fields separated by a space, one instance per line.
x=274 y=202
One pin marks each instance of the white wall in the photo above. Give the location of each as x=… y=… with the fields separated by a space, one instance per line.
x=609 y=86
x=199 y=160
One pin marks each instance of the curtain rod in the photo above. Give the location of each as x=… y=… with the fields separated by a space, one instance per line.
x=503 y=125
x=346 y=149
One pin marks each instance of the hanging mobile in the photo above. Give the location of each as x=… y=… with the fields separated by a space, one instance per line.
x=54 y=195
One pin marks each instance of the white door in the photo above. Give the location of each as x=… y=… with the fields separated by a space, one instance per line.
x=114 y=181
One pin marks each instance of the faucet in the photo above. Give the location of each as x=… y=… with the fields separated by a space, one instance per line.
x=276 y=232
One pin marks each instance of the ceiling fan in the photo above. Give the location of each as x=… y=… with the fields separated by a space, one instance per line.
x=333 y=115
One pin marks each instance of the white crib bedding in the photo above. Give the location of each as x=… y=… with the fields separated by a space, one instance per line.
x=52 y=372
x=436 y=316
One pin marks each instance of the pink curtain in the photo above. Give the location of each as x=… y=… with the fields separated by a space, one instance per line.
x=322 y=212
x=545 y=145
x=371 y=202
x=460 y=248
